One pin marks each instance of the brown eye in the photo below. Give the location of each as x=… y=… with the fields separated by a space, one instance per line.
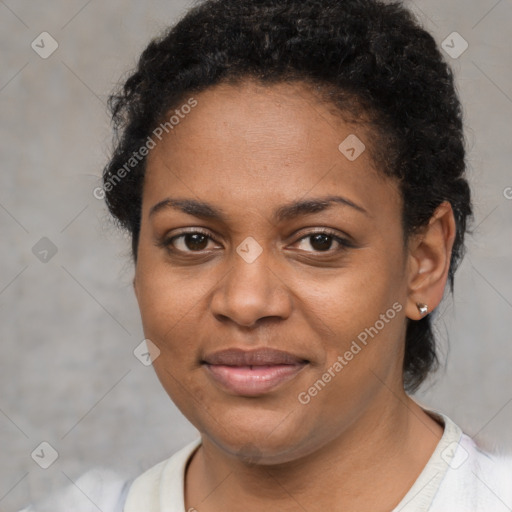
x=195 y=241
x=189 y=242
x=323 y=242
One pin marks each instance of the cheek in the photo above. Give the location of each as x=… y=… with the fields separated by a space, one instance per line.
x=167 y=306
x=169 y=317
x=363 y=307
x=352 y=298
x=167 y=295
x=364 y=313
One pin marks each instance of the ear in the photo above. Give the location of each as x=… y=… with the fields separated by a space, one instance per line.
x=429 y=258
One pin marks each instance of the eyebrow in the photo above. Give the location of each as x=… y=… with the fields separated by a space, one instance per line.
x=288 y=211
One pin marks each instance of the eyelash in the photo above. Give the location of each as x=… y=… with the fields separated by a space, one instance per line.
x=344 y=243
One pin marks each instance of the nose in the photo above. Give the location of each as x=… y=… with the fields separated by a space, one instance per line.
x=251 y=292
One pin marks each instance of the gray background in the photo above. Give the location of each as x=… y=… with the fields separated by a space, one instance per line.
x=69 y=326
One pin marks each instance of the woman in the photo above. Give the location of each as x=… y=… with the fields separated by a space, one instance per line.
x=291 y=173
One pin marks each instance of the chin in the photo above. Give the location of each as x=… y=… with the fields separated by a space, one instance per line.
x=260 y=439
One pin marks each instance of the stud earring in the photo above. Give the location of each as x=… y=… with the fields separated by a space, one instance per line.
x=422 y=308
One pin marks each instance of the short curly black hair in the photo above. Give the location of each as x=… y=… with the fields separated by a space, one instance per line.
x=370 y=58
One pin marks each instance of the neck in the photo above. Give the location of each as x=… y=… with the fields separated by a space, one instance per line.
x=369 y=466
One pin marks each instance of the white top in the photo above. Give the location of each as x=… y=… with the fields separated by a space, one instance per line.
x=459 y=477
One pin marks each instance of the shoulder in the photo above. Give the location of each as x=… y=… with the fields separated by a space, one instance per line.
x=106 y=490
x=475 y=480
x=162 y=485
x=99 y=488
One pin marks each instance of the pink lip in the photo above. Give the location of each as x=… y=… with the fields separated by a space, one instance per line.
x=252 y=373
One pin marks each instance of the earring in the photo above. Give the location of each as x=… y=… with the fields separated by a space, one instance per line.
x=422 y=308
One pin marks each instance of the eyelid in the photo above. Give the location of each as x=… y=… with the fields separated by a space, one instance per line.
x=166 y=240
x=341 y=238
x=344 y=241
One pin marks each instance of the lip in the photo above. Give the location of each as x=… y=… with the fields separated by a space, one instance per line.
x=252 y=372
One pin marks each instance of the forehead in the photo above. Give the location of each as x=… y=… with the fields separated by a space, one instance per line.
x=249 y=142
x=290 y=117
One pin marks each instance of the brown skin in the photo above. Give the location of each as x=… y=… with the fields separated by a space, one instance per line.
x=361 y=442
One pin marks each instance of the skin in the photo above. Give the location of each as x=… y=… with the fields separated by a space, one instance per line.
x=361 y=442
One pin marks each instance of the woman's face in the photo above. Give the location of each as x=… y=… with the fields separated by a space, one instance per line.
x=251 y=169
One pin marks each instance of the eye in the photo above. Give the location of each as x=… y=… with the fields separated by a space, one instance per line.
x=190 y=241
x=197 y=241
x=322 y=241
